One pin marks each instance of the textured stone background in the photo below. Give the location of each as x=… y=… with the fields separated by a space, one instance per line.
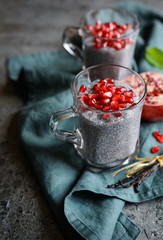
x=27 y=27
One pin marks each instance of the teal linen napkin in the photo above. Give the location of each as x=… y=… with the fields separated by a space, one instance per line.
x=78 y=197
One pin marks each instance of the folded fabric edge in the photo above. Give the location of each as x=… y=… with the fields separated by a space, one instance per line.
x=132 y=230
x=128 y=230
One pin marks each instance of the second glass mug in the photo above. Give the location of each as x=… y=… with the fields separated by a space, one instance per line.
x=103 y=143
x=80 y=43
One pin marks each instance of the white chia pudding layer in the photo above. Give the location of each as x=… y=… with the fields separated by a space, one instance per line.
x=107 y=141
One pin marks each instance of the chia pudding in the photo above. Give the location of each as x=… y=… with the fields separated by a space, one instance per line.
x=109 y=43
x=108 y=139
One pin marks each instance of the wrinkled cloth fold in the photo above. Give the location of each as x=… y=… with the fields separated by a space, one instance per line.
x=80 y=199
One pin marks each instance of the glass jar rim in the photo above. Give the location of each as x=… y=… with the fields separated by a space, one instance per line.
x=137 y=20
x=74 y=93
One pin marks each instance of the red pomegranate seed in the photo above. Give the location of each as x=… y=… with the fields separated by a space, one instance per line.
x=112 y=89
x=97 y=45
x=157 y=133
x=110 y=80
x=129 y=100
x=115 y=96
x=106 y=108
x=110 y=43
x=93 y=95
x=105 y=101
x=85 y=97
x=96 y=87
x=123 y=44
x=105 y=115
x=128 y=94
x=118 y=114
x=114 y=105
x=122 y=105
x=105 y=94
x=82 y=88
x=122 y=99
x=133 y=104
x=90 y=27
x=91 y=102
x=117 y=46
x=155 y=149
x=104 y=88
x=155 y=92
x=103 y=81
x=121 y=89
x=98 y=22
x=98 y=106
x=160 y=138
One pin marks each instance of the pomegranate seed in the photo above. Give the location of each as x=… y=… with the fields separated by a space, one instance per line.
x=85 y=97
x=90 y=27
x=110 y=80
x=112 y=89
x=106 y=108
x=157 y=133
x=97 y=45
x=128 y=94
x=93 y=95
x=105 y=101
x=105 y=115
x=114 y=105
x=80 y=99
x=129 y=100
x=91 y=102
x=110 y=43
x=123 y=44
x=122 y=105
x=96 y=87
x=103 y=81
x=155 y=149
x=121 y=89
x=117 y=46
x=155 y=92
x=160 y=138
x=98 y=106
x=122 y=99
x=115 y=96
x=82 y=88
x=105 y=94
x=98 y=22
x=118 y=114
x=104 y=88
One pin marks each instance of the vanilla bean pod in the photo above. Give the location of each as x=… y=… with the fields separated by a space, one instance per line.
x=139 y=177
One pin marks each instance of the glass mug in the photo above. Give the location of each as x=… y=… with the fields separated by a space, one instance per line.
x=103 y=143
x=93 y=50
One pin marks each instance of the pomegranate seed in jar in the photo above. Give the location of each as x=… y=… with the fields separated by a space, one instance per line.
x=114 y=105
x=82 y=88
x=110 y=80
x=105 y=101
x=115 y=96
x=105 y=115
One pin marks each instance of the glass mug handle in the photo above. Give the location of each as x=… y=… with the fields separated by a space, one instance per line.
x=72 y=42
x=70 y=136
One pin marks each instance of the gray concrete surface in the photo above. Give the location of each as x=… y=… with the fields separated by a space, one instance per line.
x=28 y=27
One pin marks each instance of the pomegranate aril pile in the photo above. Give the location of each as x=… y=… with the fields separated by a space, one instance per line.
x=154 y=88
x=109 y=34
x=106 y=94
